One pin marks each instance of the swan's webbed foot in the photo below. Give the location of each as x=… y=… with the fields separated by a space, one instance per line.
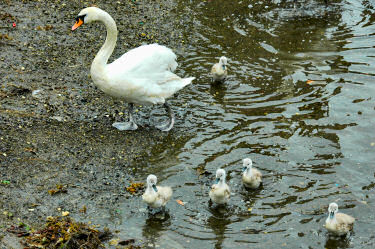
x=127 y=126
x=168 y=125
x=156 y=211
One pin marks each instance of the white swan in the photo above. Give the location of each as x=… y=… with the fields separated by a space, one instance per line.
x=338 y=223
x=156 y=196
x=143 y=75
x=219 y=70
x=220 y=192
x=251 y=177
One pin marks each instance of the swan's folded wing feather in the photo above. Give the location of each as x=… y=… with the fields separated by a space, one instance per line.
x=148 y=59
x=344 y=218
x=145 y=74
x=257 y=173
x=165 y=193
x=214 y=69
x=227 y=191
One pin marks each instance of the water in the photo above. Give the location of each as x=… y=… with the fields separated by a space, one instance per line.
x=299 y=102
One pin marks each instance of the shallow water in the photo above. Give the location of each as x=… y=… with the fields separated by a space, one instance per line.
x=299 y=102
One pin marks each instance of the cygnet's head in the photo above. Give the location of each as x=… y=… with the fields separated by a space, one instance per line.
x=332 y=209
x=151 y=181
x=88 y=15
x=247 y=164
x=220 y=175
x=223 y=60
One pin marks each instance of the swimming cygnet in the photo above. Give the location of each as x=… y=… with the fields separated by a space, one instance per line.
x=219 y=70
x=251 y=177
x=338 y=223
x=220 y=191
x=156 y=196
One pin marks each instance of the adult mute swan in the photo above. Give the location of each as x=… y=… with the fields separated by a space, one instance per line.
x=251 y=177
x=338 y=223
x=220 y=191
x=143 y=75
x=156 y=196
x=219 y=71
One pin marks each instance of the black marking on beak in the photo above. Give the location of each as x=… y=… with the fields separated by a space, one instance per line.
x=154 y=187
x=331 y=214
x=82 y=18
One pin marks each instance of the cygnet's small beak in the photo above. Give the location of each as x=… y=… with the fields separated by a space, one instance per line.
x=154 y=187
x=244 y=169
x=217 y=180
x=331 y=214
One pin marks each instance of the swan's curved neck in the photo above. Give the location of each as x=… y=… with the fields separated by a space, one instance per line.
x=222 y=64
x=332 y=217
x=106 y=50
x=249 y=172
x=222 y=182
x=150 y=189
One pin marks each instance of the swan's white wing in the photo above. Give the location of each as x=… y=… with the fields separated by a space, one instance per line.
x=145 y=75
x=147 y=59
x=148 y=89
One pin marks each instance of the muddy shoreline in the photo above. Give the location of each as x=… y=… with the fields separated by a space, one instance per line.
x=55 y=126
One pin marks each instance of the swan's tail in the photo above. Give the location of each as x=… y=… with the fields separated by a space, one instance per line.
x=170 y=87
x=187 y=81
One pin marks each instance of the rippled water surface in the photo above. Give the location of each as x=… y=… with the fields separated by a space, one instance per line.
x=299 y=101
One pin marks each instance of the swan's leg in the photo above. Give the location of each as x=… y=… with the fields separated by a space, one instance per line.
x=169 y=125
x=127 y=126
x=155 y=211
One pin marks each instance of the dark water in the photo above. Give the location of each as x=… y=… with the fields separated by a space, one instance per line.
x=299 y=101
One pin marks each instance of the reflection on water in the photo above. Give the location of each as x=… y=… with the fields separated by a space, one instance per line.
x=337 y=242
x=218 y=225
x=298 y=101
x=154 y=226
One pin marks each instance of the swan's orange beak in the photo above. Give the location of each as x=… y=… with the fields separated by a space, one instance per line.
x=78 y=23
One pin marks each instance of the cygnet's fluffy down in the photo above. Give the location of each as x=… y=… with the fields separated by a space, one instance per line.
x=156 y=196
x=220 y=192
x=251 y=177
x=338 y=223
x=219 y=71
